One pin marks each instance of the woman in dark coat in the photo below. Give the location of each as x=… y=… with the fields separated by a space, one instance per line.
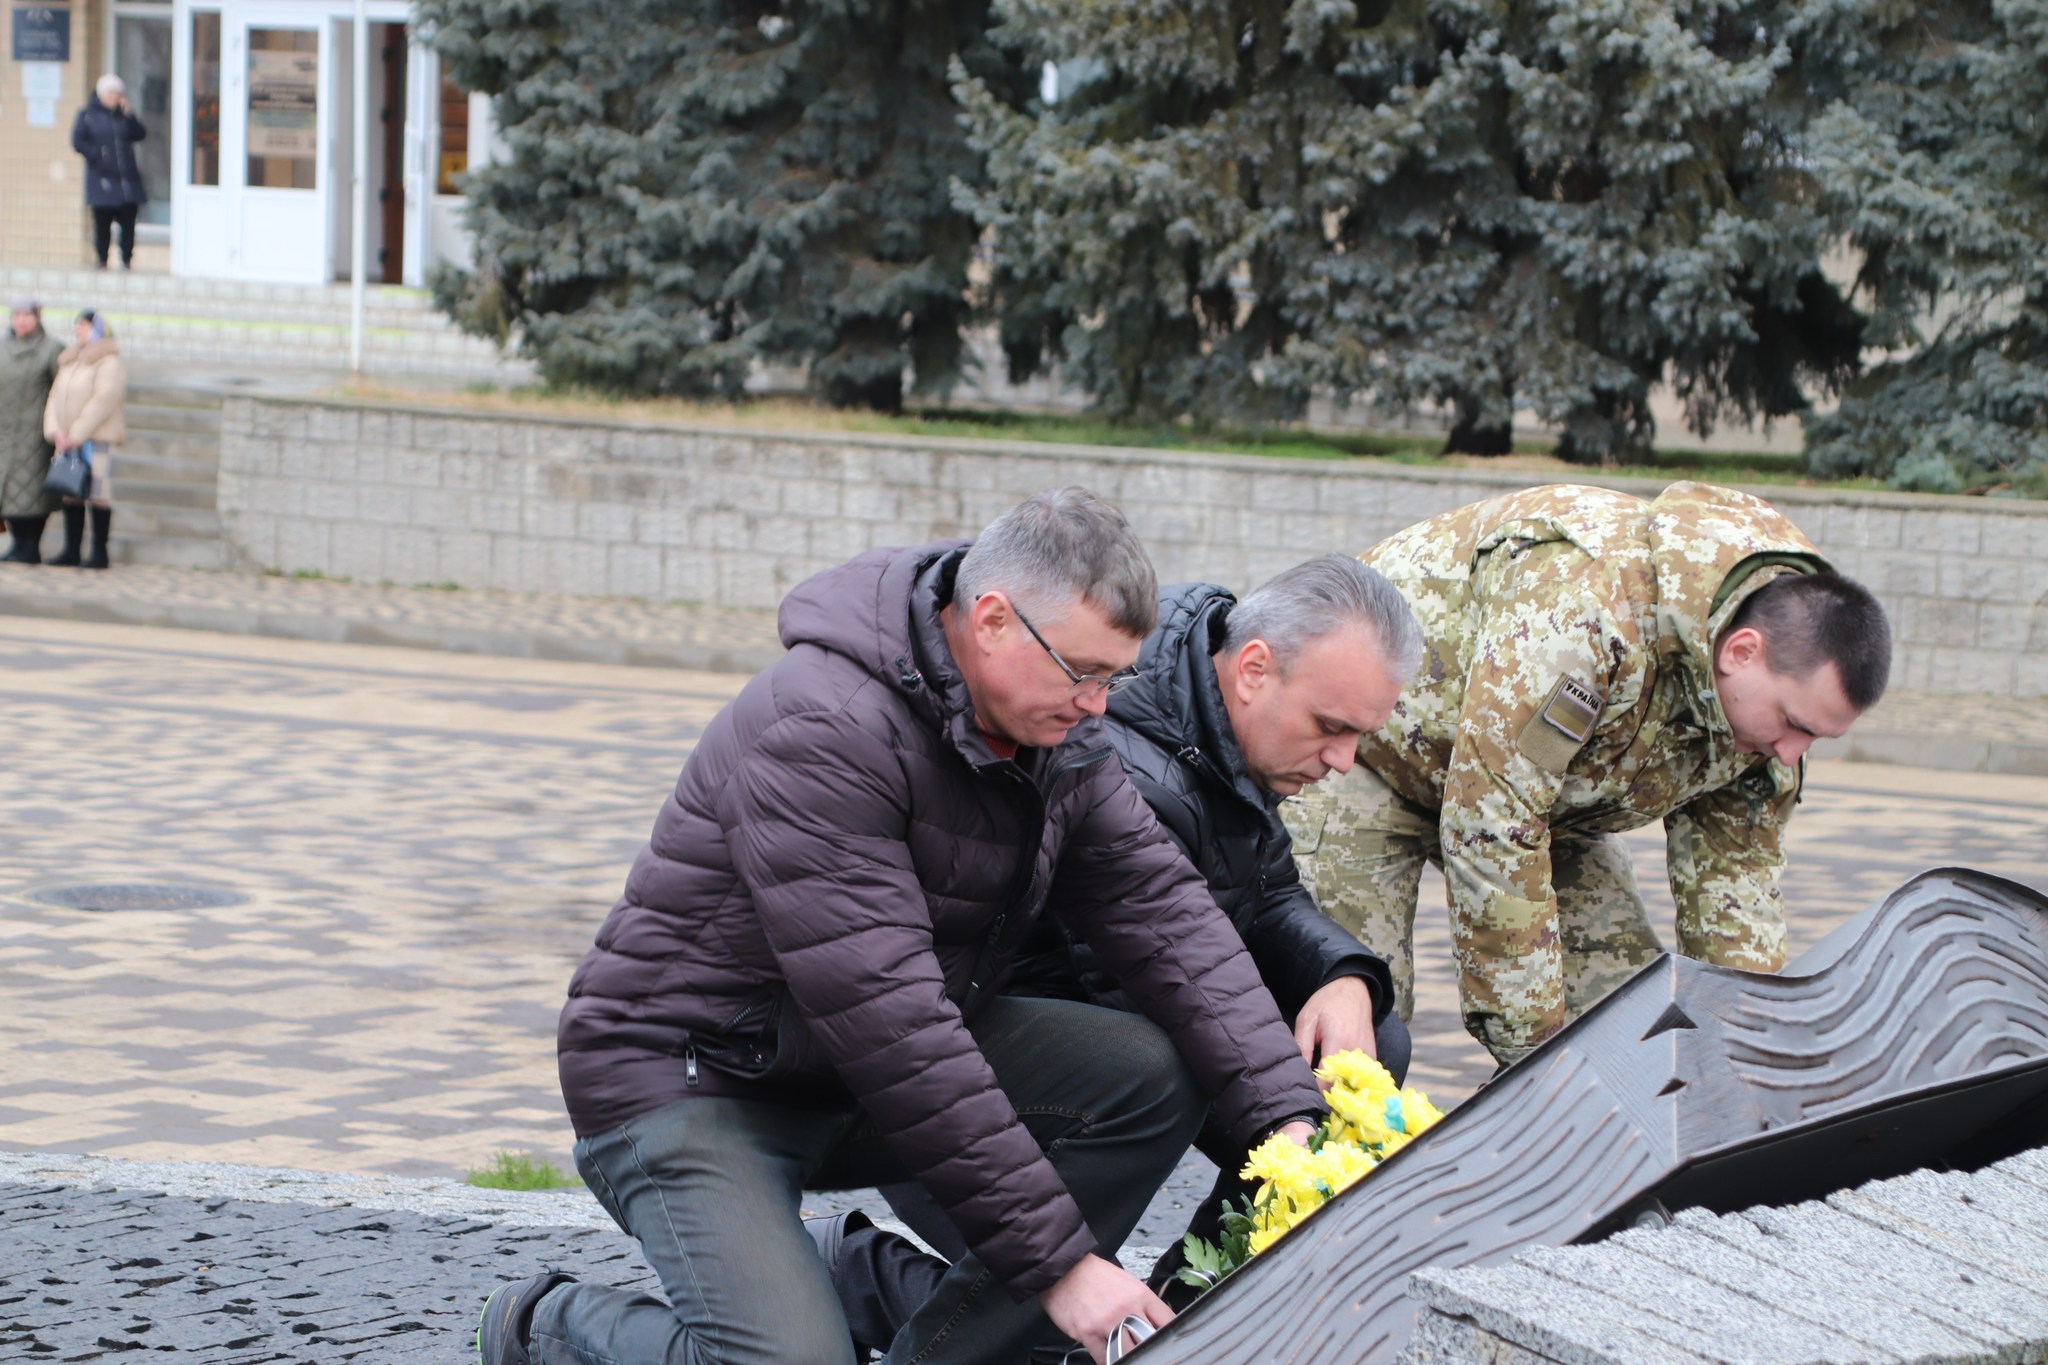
x=105 y=135
x=28 y=364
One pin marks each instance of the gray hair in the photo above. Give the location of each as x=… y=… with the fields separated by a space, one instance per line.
x=110 y=82
x=1319 y=598
x=1054 y=547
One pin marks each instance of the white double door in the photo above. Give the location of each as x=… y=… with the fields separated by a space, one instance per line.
x=281 y=207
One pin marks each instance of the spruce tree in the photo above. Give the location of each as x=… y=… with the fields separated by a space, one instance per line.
x=1933 y=156
x=1558 y=204
x=1143 y=219
x=1551 y=204
x=695 y=186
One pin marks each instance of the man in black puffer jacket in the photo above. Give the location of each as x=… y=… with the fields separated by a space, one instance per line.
x=798 y=987
x=1236 y=705
x=1214 y=764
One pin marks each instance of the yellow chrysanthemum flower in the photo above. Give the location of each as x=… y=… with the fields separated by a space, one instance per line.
x=1370 y=1119
x=1265 y=1237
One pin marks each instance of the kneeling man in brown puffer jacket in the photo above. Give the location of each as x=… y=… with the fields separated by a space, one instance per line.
x=800 y=987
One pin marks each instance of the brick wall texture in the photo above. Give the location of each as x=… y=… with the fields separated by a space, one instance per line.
x=43 y=218
x=735 y=518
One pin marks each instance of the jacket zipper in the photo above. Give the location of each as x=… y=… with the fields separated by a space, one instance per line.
x=1026 y=881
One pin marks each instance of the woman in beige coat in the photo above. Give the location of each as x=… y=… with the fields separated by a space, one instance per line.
x=85 y=410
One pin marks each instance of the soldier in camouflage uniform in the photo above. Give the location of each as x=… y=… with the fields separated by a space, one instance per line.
x=1594 y=663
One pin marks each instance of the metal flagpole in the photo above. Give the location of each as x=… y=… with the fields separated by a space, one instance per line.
x=359 y=192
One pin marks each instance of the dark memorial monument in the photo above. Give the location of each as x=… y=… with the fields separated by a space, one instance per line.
x=1915 y=1035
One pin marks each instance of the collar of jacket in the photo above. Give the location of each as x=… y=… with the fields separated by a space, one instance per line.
x=939 y=687
x=1177 y=702
x=90 y=353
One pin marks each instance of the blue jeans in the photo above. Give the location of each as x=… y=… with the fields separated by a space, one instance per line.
x=711 y=1188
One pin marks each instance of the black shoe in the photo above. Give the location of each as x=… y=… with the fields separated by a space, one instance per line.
x=28 y=540
x=508 y=1314
x=102 y=525
x=74 y=535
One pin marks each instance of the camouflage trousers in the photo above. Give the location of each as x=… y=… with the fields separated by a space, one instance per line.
x=1361 y=847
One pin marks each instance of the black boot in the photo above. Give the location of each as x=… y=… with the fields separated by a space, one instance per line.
x=28 y=540
x=74 y=535
x=102 y=523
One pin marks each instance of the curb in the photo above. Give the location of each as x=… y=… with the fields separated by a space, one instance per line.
x=700 y=656
x=1948 y=753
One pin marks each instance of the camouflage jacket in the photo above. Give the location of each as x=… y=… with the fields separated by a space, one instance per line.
x=1568 y=686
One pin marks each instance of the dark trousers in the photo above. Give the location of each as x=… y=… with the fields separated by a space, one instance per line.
x=103 y=221
x=711 y=1188
x=884 y=1270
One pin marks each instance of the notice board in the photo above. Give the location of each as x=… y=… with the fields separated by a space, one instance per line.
x=42 y=33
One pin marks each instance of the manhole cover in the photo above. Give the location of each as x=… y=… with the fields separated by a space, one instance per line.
x=136 y=896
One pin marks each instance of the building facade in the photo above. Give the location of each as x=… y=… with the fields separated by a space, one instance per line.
x=249 y=158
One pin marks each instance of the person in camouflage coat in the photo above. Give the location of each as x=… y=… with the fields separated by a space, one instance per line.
x=1594 y=663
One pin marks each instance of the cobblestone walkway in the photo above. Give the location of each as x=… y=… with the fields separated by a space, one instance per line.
x=423 y=844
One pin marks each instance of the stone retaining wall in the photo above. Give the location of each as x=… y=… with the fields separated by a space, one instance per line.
x=734 y=518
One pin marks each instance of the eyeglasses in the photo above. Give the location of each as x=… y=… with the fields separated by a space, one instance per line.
x=1083 y=684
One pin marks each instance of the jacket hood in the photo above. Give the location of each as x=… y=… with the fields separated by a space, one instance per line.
x=1706 y=543
x=1177 y=702
x=862 y=609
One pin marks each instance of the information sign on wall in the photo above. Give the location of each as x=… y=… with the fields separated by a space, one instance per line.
x=42 y=33
x=284 y=103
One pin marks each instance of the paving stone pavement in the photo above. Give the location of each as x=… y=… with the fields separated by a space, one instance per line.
x=424 y=844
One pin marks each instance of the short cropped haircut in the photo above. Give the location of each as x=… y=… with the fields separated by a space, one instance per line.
x=1327 y=594
x=1822 y=618
x=1053 y=548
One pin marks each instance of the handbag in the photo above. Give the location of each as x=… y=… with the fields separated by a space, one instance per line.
x=70 y=474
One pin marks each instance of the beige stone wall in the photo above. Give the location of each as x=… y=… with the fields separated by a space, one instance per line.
x=736 y=518
x=43 y=219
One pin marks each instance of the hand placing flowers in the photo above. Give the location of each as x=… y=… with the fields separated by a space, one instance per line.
x=1370 y=1119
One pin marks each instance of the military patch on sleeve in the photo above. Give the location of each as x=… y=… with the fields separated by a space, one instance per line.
x=1572 y=708
x=1561 y=726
